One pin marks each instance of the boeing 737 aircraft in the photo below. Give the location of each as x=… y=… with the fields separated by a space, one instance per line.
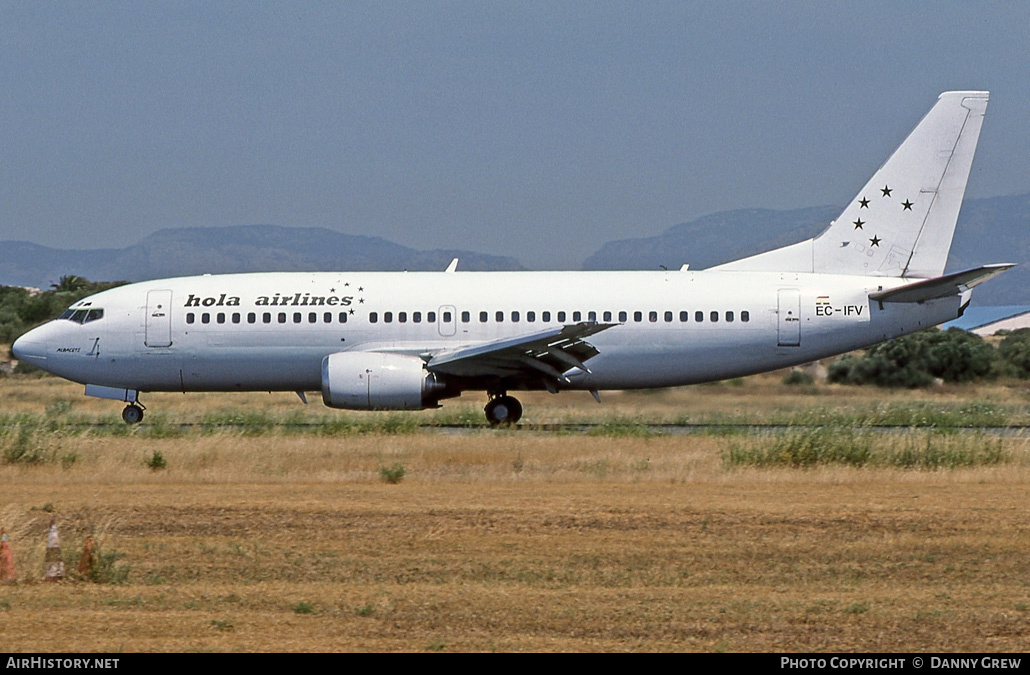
x=407 y=340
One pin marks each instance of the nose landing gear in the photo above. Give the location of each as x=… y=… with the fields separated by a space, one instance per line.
x=133 y=413
x=503 y=409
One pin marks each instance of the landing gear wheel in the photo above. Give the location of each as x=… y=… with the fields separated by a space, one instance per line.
x=503 y=410
x=133 y=414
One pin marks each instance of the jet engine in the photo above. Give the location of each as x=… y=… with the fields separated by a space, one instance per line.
x=378 y=381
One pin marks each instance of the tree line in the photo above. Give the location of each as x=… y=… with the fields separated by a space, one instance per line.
x=22 y=309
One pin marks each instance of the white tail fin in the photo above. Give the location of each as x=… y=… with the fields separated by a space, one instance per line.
x=901 y=223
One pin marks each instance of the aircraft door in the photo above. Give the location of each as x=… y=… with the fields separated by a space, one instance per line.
x=447 y=321
x=159 y=319
x=788 y=317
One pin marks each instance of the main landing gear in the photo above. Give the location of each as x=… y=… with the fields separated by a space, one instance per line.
x=503 y=409
x=133 y=413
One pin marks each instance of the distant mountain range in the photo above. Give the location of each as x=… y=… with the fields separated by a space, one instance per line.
x=218 y=250
x=995 y=229
x=989 y=230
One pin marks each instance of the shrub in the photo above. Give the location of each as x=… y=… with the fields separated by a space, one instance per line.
x=798 y=378
x=919 y=359
x=622 y=427
x=103 y=568
x=832 y=445
x=157 y=461
x=23 y=445
x=1014 y=351
x=392 y=474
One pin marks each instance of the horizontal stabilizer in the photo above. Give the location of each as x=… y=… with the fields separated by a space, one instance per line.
x=941 y=287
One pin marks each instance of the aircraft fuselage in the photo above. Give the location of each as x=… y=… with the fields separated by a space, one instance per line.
x=271 y=331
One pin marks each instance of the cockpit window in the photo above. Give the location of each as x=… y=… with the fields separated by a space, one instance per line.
x=82 y=315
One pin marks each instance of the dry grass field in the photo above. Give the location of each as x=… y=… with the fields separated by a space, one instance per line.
x=271 y=525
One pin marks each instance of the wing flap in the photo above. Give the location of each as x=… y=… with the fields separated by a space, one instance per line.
x=551 y=352
x=941 y=287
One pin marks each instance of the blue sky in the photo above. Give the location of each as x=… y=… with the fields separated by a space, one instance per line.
x=534 y=129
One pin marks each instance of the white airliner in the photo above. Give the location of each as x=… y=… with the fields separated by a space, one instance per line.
x=407 y=340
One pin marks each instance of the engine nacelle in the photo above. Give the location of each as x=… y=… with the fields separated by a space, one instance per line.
x=378 y=381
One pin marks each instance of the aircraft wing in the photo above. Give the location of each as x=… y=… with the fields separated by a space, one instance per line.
x=941 y=287
x=552 y=352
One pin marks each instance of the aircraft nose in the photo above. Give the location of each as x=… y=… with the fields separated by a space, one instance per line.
x=31 y=347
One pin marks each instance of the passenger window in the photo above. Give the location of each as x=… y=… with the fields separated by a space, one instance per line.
x=373 y=317
x=683 y=316
x=447 y=317
x=431 y=317
x=466 y=317
x=668 y=317
x=499 y=317
x=312 y=317
x=561 y=317
x=205 y=318
x=607 y=316
x=545 y=317
x=297 y=317
x=591 y=316
x=189 y=317
x=282 y=317
x=235 y=317
x=266 y=317
x=221 y=317
x=576 y=316
x=416 y=317
x=515 y=317
x=638 y=316
x=623 y=317
x=327 y=317
x=343 y=317
x=714 y=316
x=745 y=316
x=251 y=317
x=699 y=316
x=530 y=317
x=483 y=317
x=729 y=317
x=387 y=317
x=652 y=316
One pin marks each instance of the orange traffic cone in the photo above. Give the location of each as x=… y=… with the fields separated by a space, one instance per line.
x=88 y=560
x=54 y=563
x=6 y=558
